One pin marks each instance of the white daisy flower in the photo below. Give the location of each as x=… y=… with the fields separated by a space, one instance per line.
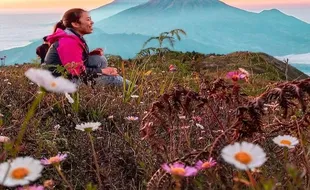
x=57 y=127
x=69 y=98
x=286 y=141
x=90 y=126
x=45 y=79
x=200 y=126
x=244 y=155
x=21 y=171
x=182 y=117
x=134 y=96
x=131 y=118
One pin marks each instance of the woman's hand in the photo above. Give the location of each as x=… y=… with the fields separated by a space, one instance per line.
x=109 y=71
x=97 y=51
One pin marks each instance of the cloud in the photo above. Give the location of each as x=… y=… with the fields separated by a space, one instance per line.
x=296 y=58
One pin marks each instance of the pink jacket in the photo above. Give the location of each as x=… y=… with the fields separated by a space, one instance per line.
x=70 y=51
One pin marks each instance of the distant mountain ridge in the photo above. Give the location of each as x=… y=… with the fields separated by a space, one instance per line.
x=125 y=45
x=183 y=3
x=214 y=23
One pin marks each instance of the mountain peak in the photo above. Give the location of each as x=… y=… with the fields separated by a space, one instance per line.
x=184 y=3
x=272 y=11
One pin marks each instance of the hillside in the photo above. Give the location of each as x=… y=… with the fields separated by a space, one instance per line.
x=189 y=115
x=258 y=63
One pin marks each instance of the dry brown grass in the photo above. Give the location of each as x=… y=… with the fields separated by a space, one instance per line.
x=128 y=155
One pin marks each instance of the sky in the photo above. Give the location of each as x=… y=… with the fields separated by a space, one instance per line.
x=297 y=8
x=39 y=6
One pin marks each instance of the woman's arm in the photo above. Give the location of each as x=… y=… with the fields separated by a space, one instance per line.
x=71 y=55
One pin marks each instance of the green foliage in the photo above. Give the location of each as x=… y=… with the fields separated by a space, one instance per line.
x=90 y=186
x=268 y=184
x=164 y=36
x=76 y=104
x=151 y=51
x=296 y=176
x=168 y=36
x=36 y=62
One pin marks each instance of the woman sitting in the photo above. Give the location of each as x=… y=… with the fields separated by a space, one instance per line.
x=69 y=49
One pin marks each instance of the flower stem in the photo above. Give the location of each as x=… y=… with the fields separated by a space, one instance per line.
x=29 y=115
x=95 y=159
x=215 y=116
x=177 y=183
x=252 y=180
x=303 y=150
x=76 y=103
x=63 y=176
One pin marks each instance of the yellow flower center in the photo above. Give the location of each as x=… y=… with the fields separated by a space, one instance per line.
x=286 y=142
x=54 y=159
x=19 y=173
x=178 y=171
x=206 y=165
x=243 y=157
x=53 y=84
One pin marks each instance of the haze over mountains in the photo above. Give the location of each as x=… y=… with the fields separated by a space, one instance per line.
x=112 y=8
x=211 y=25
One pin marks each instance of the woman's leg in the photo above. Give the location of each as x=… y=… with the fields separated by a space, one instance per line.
x=101 y=62
x=112 y=80
x=97 y=61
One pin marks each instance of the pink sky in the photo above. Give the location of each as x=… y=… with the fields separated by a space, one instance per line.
x=260 y=3
x=60 y=4
x=297 y=8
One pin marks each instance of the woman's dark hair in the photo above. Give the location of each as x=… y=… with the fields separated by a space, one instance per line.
x=72 y=15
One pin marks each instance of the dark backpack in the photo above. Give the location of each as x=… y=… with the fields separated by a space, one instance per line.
x=41 y=51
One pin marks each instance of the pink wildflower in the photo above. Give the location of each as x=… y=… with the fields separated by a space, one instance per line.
x=242 y=70
x=4 y=139
x=179 y=169
x=235 y=75
x=49 y=183
x=172 y=68
x=205 y=165
x=131 y=118
x=197 y=118
x=54 y=160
